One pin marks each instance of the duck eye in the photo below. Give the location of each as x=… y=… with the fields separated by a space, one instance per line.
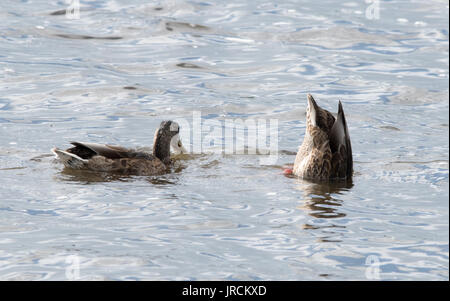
x=179 y=143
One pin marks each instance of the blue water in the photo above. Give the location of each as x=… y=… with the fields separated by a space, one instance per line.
x=124 y=66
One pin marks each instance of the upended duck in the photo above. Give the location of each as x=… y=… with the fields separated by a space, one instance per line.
x=326 y=151
x=117 y=159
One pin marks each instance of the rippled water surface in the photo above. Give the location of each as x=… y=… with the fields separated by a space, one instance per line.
x=113 y=74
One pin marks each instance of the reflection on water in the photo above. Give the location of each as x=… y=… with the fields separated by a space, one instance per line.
x=89 y=176
x=321 y=201
x=319 y=198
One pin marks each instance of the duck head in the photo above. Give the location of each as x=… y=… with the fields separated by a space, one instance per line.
x=166 y=136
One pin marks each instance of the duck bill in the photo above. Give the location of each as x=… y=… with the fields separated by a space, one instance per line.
x=177 y=145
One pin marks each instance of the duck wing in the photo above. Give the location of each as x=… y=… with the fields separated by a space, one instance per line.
x=87 y=150
x=341 y=148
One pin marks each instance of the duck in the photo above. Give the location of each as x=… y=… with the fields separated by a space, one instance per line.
x=326 y=151
x=118 y=159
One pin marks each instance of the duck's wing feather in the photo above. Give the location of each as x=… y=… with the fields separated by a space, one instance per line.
x=341 y=148
x=87 y=150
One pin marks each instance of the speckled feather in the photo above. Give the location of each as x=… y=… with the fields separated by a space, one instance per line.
x=325 y=152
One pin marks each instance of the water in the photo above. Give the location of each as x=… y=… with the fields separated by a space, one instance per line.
x=115 y=73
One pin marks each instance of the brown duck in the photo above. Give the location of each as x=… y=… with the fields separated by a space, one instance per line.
x=117 y=159
x=326 y=151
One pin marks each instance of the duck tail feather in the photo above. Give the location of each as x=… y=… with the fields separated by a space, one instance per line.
x=69 y=159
